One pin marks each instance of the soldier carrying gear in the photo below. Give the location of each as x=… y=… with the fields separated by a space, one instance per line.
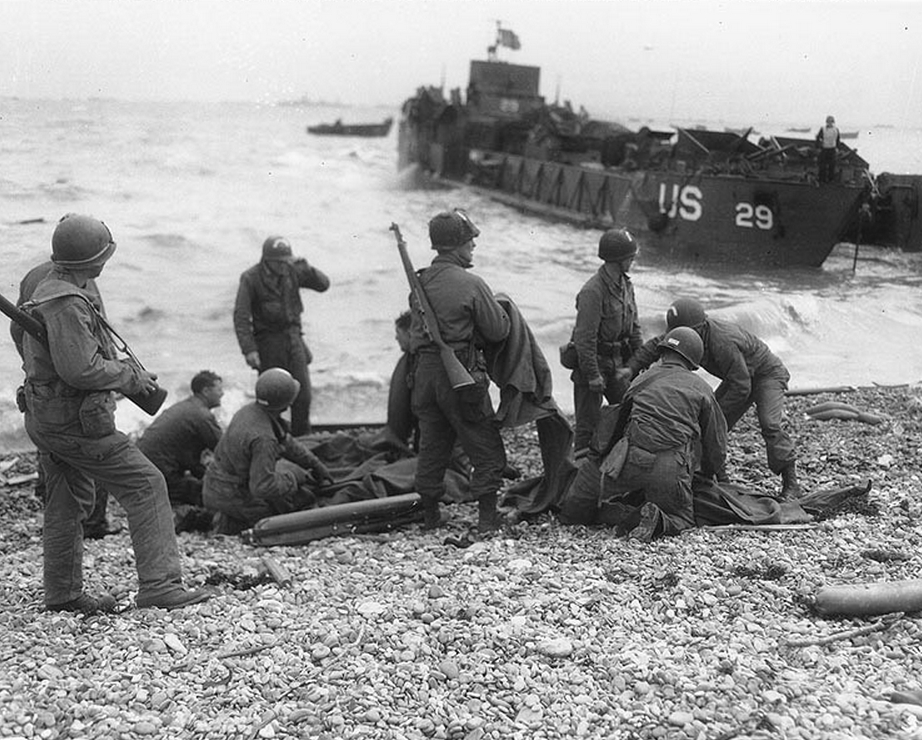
x=469 y=318
x=70 y=416
x=606 y=334
x=750 y=374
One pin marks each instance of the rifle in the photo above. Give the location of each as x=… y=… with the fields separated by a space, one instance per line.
x=458 y=375
x=148 y=402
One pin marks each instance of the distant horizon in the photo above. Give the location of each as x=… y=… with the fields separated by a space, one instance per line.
x=633 y=117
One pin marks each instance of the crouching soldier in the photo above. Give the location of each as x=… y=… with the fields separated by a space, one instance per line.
x=669 y=425
x=259 y=469
x=750 y=374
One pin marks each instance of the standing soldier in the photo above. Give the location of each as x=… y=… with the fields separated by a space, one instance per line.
x=97 y=523
x=605 y=336
x=469 y=318
x=749 y=373
x=70 y=416
x=267 y=319
x=827 y=140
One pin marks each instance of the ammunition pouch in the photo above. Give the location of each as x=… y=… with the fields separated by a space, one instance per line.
x=618 y=351
x=97 y=414
x=569 y=357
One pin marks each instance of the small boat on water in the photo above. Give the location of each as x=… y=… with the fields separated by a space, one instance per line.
x=694 y=195
x=355 y=129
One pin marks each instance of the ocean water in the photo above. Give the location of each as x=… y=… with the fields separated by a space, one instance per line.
x=191 y=190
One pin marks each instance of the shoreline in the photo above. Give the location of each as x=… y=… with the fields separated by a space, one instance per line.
x=545 y=631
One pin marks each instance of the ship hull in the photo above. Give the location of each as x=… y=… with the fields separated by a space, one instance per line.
x=681 y=217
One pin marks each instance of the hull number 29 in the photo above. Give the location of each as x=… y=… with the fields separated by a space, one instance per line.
x=749 y=216
x=687 y=202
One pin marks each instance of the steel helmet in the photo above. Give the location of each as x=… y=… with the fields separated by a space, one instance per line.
x=684 y=341
x=276 y=389
x=685 y=312
x=81 y=241
x=276 y=248
x=450 y=229
x=616 y=245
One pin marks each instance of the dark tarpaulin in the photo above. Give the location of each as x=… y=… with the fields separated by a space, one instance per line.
x=374 y=465
x=520 y=370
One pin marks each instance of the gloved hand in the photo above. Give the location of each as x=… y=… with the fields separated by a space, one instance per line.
x=322 y=474
x=252 y=359
x=597 y=384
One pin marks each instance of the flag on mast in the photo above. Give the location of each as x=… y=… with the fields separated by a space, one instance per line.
x=509 y=39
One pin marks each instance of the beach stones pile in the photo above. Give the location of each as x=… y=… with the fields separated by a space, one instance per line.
x=542 y=631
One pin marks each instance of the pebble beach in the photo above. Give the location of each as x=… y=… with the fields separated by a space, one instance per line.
x=540 y=631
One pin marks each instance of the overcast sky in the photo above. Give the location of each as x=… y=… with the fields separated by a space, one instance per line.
x=739 y=61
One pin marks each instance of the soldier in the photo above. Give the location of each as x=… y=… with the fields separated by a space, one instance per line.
x=259 y=469
x=468 y=317
x=827 y=141
x=671 y=425
x=97 y=524
x=176 y=441
x=267 y=319
x=749 y=373
x=401 y=421
x=70 y=418
x=606 y=334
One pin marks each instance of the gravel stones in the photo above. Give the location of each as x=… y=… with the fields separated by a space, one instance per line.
x=542 y=631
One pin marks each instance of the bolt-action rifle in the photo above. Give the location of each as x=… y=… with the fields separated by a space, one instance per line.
x=148 y=402
x=458 y=375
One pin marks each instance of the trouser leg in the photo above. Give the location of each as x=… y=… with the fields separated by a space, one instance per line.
x=139 y=487
x=98 y=520
x=779 y=447
x=301 y=407
x=69 y=498
x=587 y=406
x=669 y=489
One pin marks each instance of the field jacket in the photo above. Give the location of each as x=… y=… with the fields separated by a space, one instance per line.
x=270 y=303
x=607 y=330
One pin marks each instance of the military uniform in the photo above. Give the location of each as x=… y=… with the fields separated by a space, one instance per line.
x=267 y=319
x=468 y=317
x=670 y=427
x=606 y=334
x=750 y=373
x=70 y=418
x=97 y=524
x=249 y=478
x=175 y=441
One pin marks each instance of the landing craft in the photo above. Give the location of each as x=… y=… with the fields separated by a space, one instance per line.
x=694 y=195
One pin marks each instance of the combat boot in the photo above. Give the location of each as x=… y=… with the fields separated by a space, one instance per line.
x=790 y=488
x=432 y=515
x=488 y=518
